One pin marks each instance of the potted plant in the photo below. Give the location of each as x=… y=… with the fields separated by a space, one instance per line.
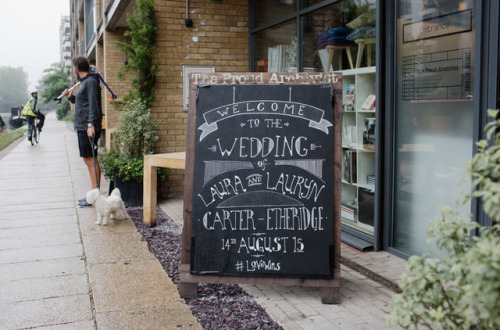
x=136 y=133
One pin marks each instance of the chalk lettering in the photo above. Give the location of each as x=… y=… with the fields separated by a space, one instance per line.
x=295 y=185
x=294 y=218
x=268 y=244
x=229 y=220
x=252 y=147
x=261 y=264
x=223 y=188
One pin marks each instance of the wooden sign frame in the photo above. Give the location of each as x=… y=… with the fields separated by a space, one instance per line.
x=330 y=288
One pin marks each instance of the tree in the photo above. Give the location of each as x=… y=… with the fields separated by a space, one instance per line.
x=461 y=291
x=13 y=87
x=56 y=79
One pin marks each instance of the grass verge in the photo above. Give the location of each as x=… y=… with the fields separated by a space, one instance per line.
x=9 y=137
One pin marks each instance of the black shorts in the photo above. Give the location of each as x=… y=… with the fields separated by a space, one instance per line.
x=84 y=144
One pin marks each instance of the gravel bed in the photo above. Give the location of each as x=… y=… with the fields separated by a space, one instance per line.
x=218 y=306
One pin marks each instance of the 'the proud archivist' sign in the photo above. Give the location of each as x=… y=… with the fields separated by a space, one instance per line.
x=263 y=181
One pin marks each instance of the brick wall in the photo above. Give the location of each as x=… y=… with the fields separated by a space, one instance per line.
x=99 y=59
x=218 y=38
x=113 y=61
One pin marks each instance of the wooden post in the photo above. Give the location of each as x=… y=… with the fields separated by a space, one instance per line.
x=149 y=194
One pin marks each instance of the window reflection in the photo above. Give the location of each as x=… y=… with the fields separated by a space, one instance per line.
x=276 y=49
x=335 y=36
x=267 y=11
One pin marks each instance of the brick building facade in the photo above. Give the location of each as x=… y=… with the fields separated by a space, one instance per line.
x=218 y=38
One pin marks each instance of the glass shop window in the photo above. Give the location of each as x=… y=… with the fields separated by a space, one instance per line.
x=339 y=37
x=276 y=48
x=266 y=11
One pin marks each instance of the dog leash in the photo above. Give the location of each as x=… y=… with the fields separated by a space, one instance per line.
x=91 y=140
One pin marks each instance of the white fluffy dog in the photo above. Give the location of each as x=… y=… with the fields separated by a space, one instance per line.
x=107 y=206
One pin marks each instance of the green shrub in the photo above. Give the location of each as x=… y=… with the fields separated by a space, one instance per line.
x=136 y=133
x=129 y=169
x=461 y=291
x=108 y=161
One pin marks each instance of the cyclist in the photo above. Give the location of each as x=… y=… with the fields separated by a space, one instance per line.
x=30 y=111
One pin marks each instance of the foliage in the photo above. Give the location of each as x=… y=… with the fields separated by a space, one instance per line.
x=351 y=9
x=108 y=161
x=9 y=137
x=462 y=290
x=136 y=134
x=130 y=169
x=140 y=52
x=13 y=87
x=63 y=109
x=56 y=79
x=135 y=137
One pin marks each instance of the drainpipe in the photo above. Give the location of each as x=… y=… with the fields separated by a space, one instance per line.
x=189 y=22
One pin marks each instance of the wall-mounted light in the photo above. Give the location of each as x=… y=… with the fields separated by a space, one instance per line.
x=126 y=60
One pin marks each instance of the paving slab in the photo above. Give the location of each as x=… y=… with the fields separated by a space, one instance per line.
x=52 y=311
x=15 y=211
x=39 y=236
x=38 y=269
x=44 y=288
x=40 y=221
x=34 y=213
x=171 y=316
x=119 y=287
x=116 y=248
x=88 y=226
x=41 y=253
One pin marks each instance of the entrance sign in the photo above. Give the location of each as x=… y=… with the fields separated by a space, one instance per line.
x=262 y=192
x=440 y=26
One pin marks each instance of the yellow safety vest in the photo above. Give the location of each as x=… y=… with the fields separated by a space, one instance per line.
x=27 y=108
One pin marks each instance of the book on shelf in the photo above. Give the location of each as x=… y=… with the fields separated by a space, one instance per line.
x=349 y=166
x=370 y=179
x=348 y=210
x=369 y=103
x=349 y=135
x=350 y=97
x=369 y=131
x=352 y=131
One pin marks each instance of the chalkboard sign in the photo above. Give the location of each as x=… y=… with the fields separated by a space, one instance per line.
x=263 y=181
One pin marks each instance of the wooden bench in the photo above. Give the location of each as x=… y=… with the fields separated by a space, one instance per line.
x=175 y=160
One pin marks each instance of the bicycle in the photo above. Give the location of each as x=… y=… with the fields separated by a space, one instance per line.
x=35 y=132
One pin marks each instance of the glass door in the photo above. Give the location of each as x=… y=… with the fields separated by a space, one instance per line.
x=433 y=119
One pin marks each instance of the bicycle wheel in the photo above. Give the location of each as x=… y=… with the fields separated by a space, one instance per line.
x=32 y=140
x=36 y=132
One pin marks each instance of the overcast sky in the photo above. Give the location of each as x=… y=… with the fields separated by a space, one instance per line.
x=29 y=35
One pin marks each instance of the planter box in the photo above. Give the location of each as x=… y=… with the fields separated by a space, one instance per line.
x=132 y=192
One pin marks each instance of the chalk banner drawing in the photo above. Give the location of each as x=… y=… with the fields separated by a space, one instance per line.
x=263 y=181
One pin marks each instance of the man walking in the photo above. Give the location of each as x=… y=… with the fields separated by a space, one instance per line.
x=88 y=116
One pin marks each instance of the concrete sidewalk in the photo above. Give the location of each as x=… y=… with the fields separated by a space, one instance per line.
x=60 y=270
